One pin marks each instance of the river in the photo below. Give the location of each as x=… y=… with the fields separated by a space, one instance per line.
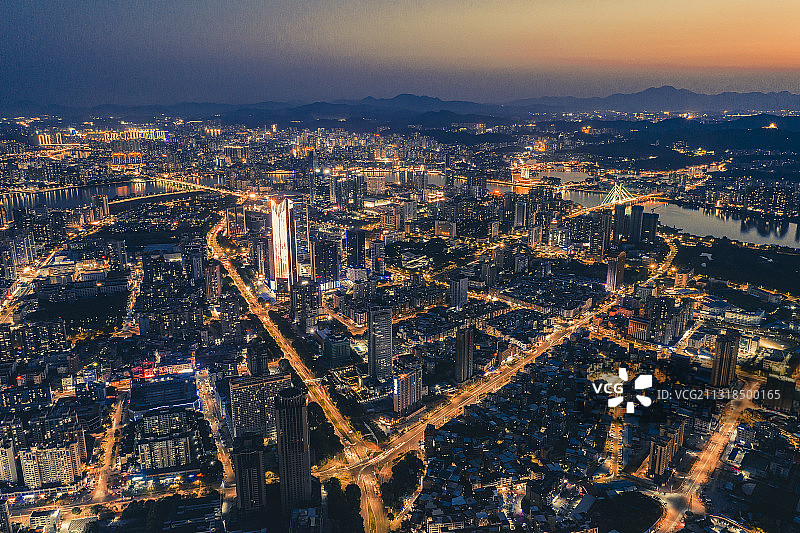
x=712 y=222
x=700 y=222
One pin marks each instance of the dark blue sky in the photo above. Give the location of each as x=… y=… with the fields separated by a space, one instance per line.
x=136 y=52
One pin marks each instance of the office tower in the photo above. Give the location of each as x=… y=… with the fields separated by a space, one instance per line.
x=284 y=245
x=248 y=466
x=783 y=397
x=407 y=390
x=649 y=227
x=443 y=228
x=616 y=272
x=325 y=262
x=100 y=206
x=294 y=452
x=336 y=351
x=620 y=222
x=253 y=401
x=726 y=350
x=465 y=348
x=379 y=352
x=459 y=286
x=305 y=304
x=213 y=281
x=355 y=242
x=377 y=253
x=635 y=229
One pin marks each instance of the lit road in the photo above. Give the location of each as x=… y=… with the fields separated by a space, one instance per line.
x=110 y=440
x=357 y=449
x=707 y=461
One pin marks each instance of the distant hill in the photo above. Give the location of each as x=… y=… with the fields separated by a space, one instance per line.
x=405 y=109
x=669 y=98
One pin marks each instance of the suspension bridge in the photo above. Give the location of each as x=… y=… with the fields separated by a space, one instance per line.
x=618 y=195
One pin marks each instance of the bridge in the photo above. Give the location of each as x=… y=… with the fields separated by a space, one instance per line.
x=193 y=185
x=618 y=195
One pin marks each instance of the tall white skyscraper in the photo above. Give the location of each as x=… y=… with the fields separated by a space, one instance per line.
x=284 y=247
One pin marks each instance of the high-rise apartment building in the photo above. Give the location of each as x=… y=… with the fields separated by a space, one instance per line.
x=459 y=287
x=407 y=390
x=213 y=281
x=250 y=472
x=253 y=403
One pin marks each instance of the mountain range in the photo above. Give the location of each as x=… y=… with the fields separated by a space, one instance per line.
x=430 y=111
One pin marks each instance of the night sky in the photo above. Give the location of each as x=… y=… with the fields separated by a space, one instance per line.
x=129 y=52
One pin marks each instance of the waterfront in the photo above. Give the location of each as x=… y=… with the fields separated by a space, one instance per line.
x=71 y=197
x=713 y=222
x=699 y=222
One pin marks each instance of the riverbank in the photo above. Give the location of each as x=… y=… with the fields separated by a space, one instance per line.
x=772 y=267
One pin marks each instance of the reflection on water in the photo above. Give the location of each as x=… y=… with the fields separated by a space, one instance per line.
x=714 y=222
x=78 y=196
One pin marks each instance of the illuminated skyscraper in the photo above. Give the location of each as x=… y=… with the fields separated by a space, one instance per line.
x=726 y=350
x=284 y=247
x=379 y=355
x=294 y=452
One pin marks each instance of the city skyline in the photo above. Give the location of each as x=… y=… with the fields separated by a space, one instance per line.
x=179 y=52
